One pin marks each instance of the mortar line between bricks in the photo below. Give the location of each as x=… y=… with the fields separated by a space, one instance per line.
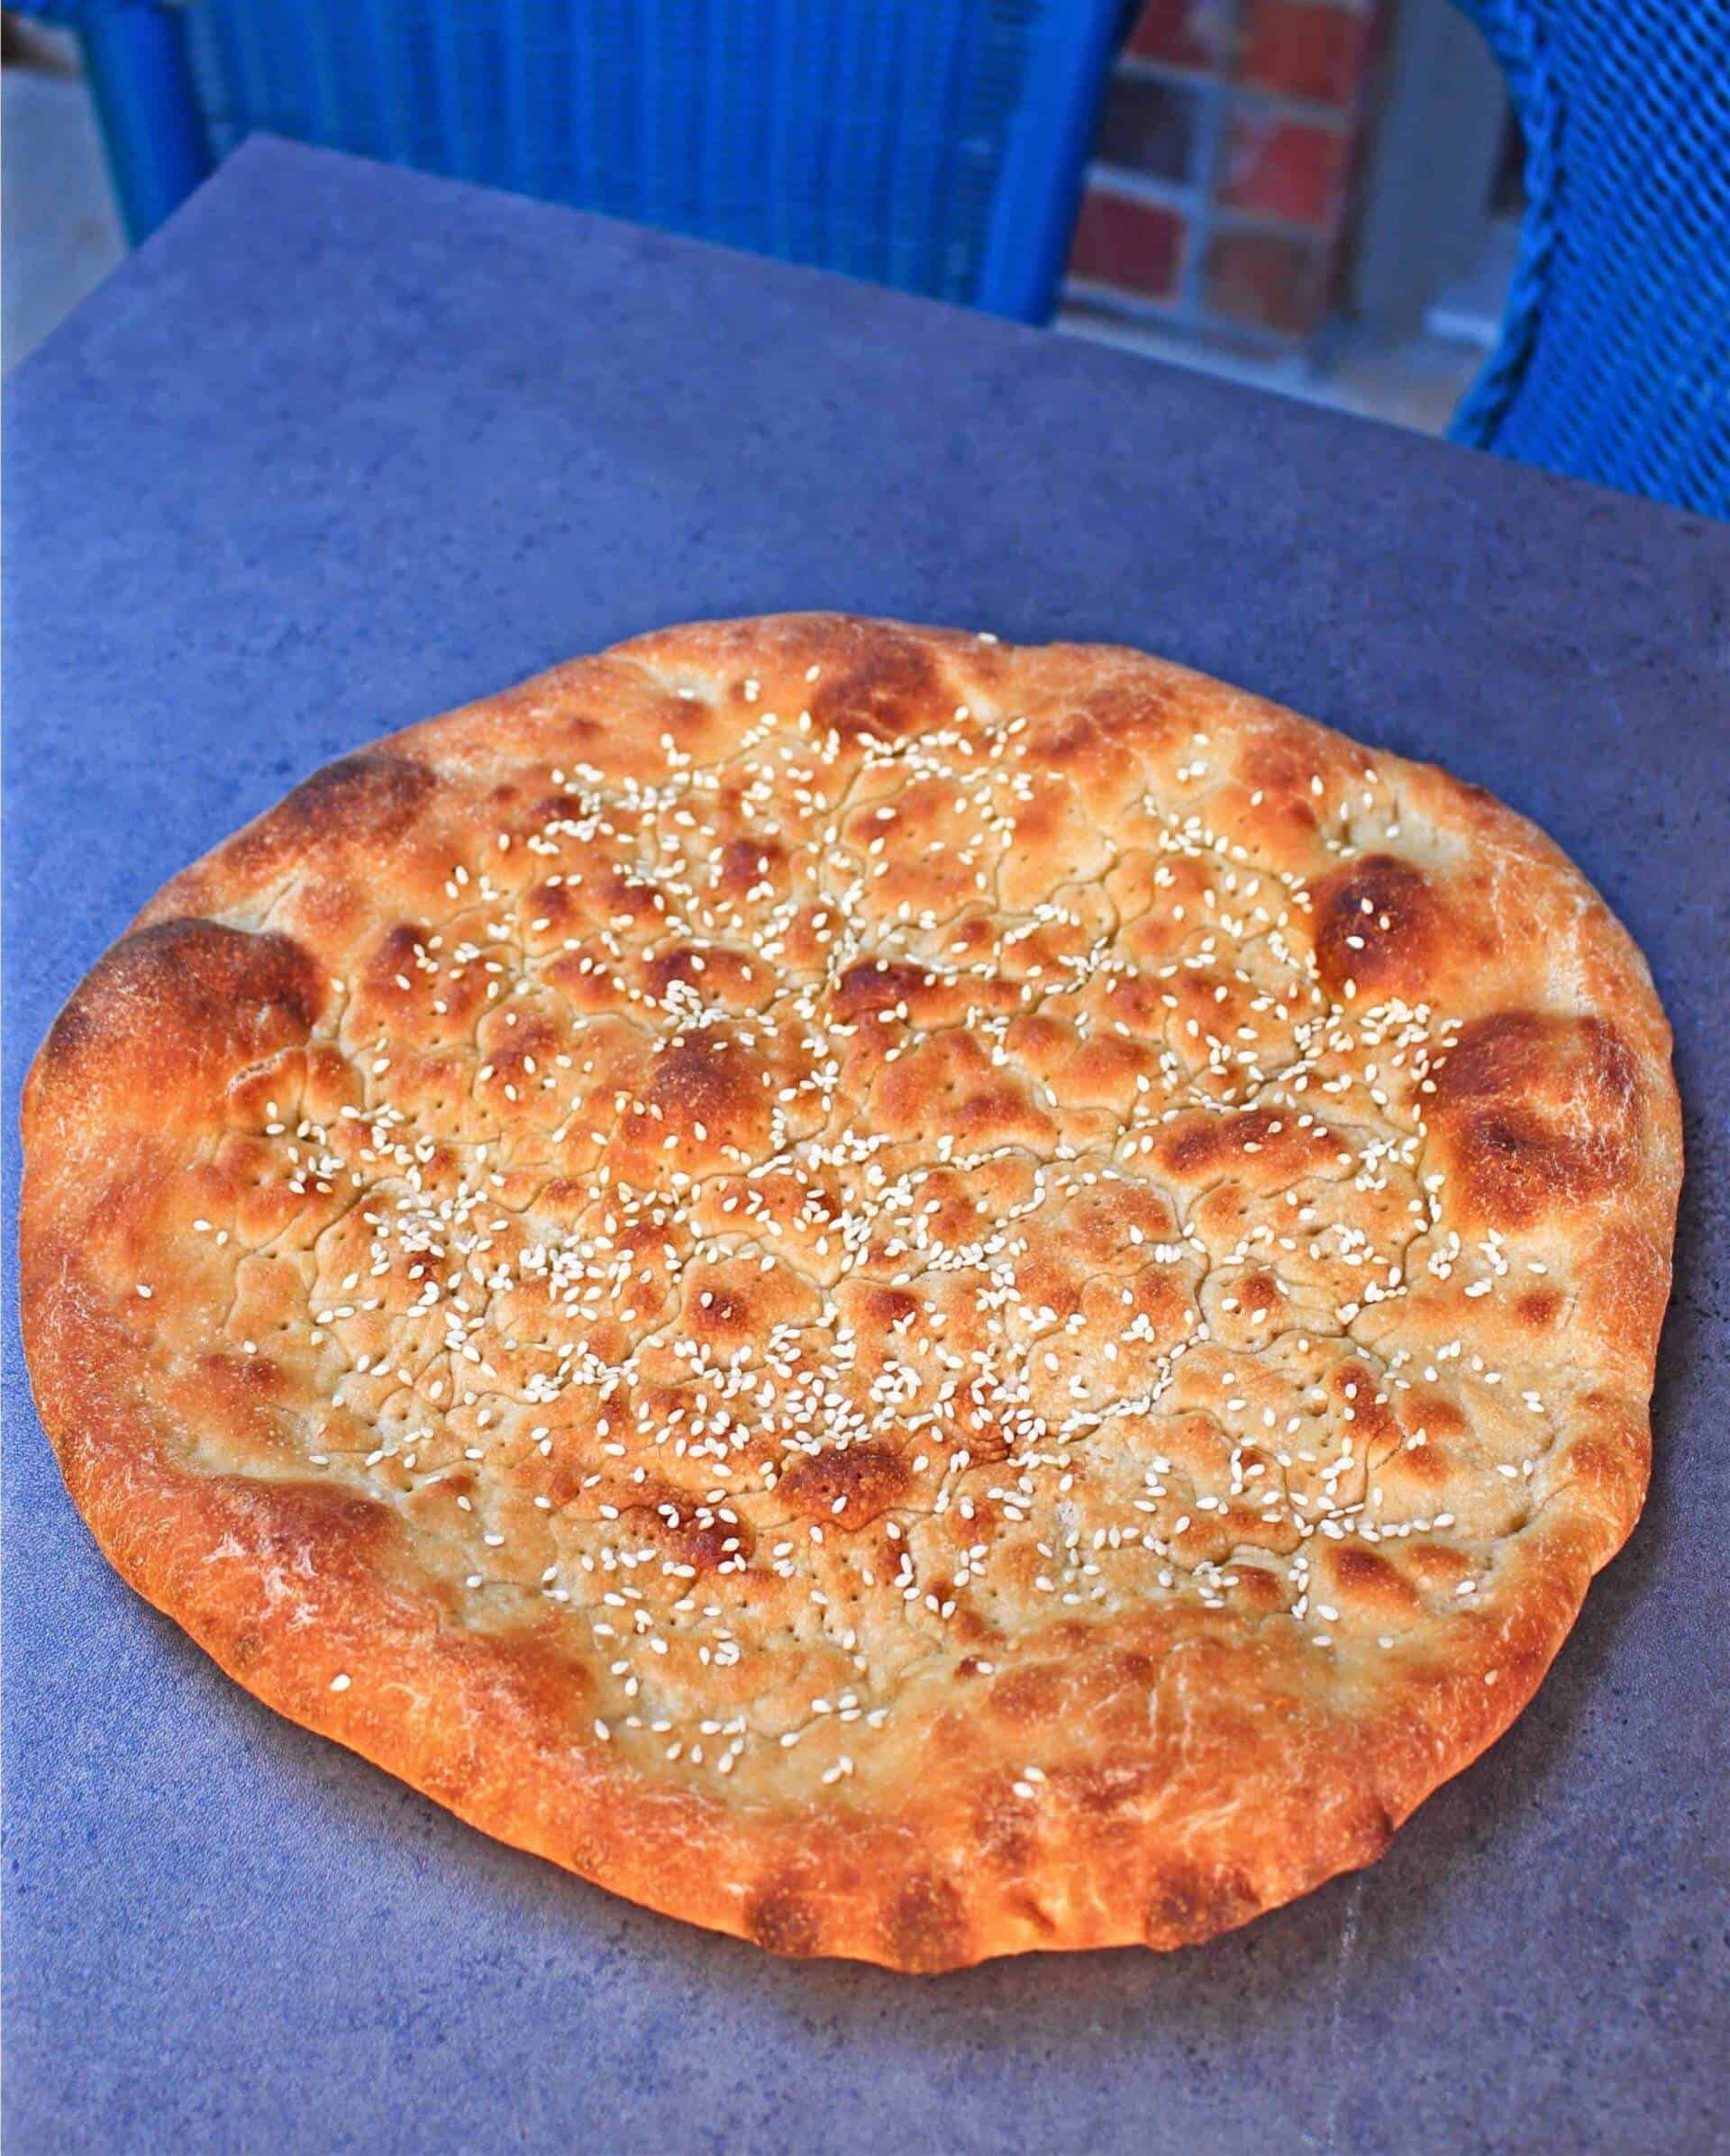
x=1207 y=160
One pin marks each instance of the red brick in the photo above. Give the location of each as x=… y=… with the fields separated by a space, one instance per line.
x=1303 y=49
x=1265 y=277
x=1135 y=245
x=1184 y=33
x=1283 y=169
x=1149 y=126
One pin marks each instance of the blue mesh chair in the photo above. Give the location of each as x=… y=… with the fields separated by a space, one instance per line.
x=1614 y=362
x=937 y=145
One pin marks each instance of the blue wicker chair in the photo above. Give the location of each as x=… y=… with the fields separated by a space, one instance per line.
x=1614 y=362
x=937 y=145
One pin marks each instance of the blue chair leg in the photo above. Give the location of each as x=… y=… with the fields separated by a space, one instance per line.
x=135 y=58
x=1033 y=221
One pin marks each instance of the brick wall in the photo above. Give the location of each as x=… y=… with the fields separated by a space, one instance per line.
x=1218 y=192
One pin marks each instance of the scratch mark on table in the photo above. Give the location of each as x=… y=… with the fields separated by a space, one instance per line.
x=1336 y=2011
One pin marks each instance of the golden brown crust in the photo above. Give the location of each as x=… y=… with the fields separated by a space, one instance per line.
x=911 y=1299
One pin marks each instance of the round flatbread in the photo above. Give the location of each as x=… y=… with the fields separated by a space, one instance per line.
x=912 y=1299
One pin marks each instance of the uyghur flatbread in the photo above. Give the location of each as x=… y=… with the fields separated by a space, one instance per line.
x=912 y=1299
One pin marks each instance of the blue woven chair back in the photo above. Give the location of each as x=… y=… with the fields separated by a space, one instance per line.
x=1614 y=362
x=937 y=145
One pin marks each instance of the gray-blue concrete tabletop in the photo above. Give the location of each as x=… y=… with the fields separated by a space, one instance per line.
x=341 y=447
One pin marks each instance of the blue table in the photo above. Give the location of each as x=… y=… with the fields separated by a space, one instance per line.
x=341 y=447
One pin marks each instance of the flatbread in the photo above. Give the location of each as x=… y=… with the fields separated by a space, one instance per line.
x=908 y=1299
